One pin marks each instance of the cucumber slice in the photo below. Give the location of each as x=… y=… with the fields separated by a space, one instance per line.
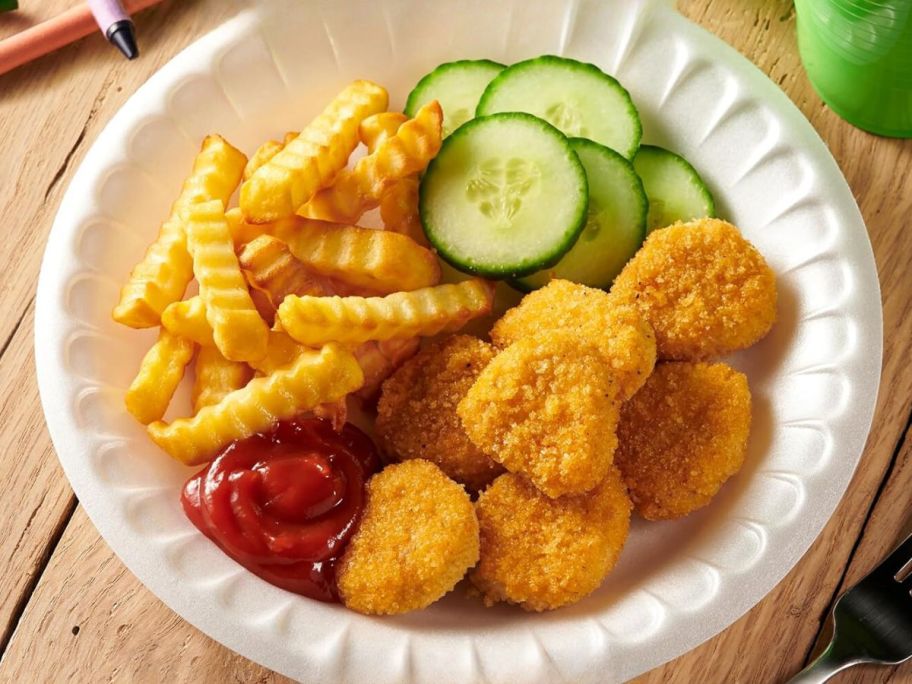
x=615 y=227
x=457 y=86
x=674 y=188
x=506 y=196
x=578 y=98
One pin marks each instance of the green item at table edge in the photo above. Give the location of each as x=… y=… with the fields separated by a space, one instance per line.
x=9 y=5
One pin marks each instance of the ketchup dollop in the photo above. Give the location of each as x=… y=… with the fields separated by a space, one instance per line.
x=283 y=504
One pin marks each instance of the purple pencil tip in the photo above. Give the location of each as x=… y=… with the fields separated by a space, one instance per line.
x=122 y=35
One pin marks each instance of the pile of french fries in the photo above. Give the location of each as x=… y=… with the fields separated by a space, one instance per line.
x=298 y=306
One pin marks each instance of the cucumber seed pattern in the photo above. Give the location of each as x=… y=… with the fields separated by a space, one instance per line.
x=498 y=188
x=566 y=118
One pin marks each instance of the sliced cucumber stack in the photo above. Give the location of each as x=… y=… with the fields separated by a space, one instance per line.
x=674 y=188
x=457 y=86
x=506 y=196
x=578 y=98
x=615 y=226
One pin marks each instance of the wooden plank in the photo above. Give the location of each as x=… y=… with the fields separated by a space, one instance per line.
x=37 y=499
x=91 y=620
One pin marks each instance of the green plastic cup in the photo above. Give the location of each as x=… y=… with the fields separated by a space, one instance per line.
x=858 y=56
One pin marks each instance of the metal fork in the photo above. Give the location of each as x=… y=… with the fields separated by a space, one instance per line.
x=873 y=621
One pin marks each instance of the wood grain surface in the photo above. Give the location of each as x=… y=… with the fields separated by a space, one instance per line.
x=69 y=611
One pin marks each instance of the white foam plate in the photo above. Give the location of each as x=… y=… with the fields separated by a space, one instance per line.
x=270 y=69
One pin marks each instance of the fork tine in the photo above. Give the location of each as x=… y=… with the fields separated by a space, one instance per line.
x=897 y=560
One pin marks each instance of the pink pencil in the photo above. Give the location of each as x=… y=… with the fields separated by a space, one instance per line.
x=53 y=34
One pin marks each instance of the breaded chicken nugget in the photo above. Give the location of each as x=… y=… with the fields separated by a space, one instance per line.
x=416 y=415
x=546 y=407
x=545 y=553
x=705 y=289
x=682 y=436
x=418 y=536
x=620 y=331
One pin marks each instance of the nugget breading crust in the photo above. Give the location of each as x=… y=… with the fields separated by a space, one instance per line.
x=705 y=289
x=546 y=407
x=620 y=331
x=545 y=553
x=416 y=415
x=418 y=536
x=682 y=436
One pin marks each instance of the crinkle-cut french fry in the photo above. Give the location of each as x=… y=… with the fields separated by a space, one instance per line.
x=281 y=352
x=166 y=269
x=399 y=209
x=187 y=318
x=270 y=266
x=316 y=377
x=263 y=154
x=159 y=375
x=336 y=412
x=239 y=331
x=241 y=231
x=360 y=189
x=289 y=136
x=377 y=128
x=314 y=321
x=376 y=260
x=311 y=160
x=378 y=360
x=216 y=377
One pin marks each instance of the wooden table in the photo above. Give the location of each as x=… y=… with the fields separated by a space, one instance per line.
x=68 y=607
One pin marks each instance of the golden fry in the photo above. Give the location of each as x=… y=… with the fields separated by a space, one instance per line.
x=241 y=231
x=378 y=127
x=352 y=320
x=376 y=260
x=166 y=269
x=263 y=154
x=399 y=209
x=311 y=160
x=281 y=352
x=406 y=153
x=159 y=375
x=399 y=201
x=269 y=266
x=316 y=377
x=187 y=318
x=216 y=377
x=239 y=331
x=378 y=360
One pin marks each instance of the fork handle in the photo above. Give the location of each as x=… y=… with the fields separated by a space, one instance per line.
x=828 y=663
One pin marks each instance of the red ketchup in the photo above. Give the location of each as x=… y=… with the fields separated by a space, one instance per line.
x=283 y=504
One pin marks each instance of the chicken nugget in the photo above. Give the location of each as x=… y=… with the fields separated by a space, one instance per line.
x=682 y=436
x=546 y=407
x=546 y=553
x=416 y=415
x=621 y=332
x=705 y=289
x=418 y=536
